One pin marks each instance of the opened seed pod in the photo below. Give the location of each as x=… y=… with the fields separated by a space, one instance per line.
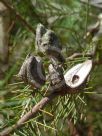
x=77 y=75
x=32 y=71
x=56 y=78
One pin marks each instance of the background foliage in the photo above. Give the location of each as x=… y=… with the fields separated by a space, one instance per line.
x=69 y=19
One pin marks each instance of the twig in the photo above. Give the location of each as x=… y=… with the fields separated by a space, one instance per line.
x=37 y=108
x=19 y=17
x=96 y=5
x=91 y=53
x=77 y=55
x=11 y=26
x=31 y=114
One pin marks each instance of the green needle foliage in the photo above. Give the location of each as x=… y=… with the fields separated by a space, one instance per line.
x=69 y=19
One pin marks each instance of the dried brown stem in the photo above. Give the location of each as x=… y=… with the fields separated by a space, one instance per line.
x=18 y=16
x=37 y=108
x=29 y=115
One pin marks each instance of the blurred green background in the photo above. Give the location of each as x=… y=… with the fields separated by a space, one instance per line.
x=71 y=115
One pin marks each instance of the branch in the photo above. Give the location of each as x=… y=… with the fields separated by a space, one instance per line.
x=96 y=5
x=65 y=89
x=19 y=17
x=37 y=108
x=77 y=55
x=31 y=114
x=91 y=53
